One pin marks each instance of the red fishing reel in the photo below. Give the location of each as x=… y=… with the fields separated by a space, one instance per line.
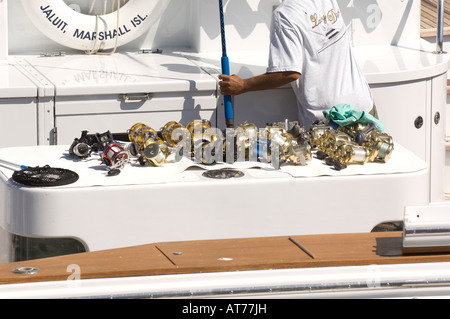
x=115 y=157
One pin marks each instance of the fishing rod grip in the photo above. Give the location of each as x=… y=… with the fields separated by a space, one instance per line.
x=229 y=119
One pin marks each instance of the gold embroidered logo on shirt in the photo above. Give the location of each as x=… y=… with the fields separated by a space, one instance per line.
x=331 y=17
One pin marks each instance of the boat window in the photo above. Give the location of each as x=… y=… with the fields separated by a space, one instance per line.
x=27 y=248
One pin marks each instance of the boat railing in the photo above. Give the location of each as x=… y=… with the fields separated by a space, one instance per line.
x=440 y=28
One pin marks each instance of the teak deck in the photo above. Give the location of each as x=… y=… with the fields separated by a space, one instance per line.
x=428 y=19
x=224 y=255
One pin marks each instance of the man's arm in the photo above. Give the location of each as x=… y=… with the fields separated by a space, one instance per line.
x=234 y=85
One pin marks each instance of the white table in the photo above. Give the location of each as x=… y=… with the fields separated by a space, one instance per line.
x=175 y=202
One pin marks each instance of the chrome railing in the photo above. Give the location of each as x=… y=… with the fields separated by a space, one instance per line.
x=440 y=28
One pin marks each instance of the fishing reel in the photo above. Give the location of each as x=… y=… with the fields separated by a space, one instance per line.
x=154 y=152
x=331 y=141
x=84 y=146
x=278 y=143
x=316 y=132
x=246 y=142
x=207 y=145
x=173 y=133
x=200 y=127
x=340 y=147
x=178 y=138
x=352 y=153
x=294 y=129
x=290 y=151
x=115 y=154
x=115 y=157
x=80 y=149
x=381 y=145
x=352 y=144
x=140 y=132
x=246 y=139
x=290 y=142
x=112 y=153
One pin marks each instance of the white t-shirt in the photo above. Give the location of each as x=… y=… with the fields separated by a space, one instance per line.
x=310 y=37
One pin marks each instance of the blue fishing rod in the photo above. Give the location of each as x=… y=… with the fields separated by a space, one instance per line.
x=229 y=119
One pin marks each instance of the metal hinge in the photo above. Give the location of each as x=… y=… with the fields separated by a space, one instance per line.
x=55 y=136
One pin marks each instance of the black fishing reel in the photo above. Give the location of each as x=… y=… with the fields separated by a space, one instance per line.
x=83 y=147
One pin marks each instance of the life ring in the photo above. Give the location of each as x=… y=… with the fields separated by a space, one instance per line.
x=59 y=22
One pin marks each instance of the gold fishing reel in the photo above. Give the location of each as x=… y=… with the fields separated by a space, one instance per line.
x=290 y=151
x=246 y=138
x=201 y=127
x=316 y=132
x=173 y=132
x=140 y=132
x=155 y=151
x=381 y=145
x=351 y=153
x=152 y=149
x=354 y=144
x=206 y=144
x=289 y=137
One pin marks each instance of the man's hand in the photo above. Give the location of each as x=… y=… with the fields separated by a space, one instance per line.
x=234 y=85
x=231 y=84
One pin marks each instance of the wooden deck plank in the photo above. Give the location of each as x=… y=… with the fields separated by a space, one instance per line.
x=224 y=255
x=231 y=254
x=132 y=261
x=429 y=18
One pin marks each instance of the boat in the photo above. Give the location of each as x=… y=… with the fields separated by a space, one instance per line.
x=191 y=228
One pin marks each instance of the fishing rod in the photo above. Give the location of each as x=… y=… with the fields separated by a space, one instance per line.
x=229 y=119
x=11 y=165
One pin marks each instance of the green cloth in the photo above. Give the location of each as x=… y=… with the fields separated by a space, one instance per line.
x=345 y=114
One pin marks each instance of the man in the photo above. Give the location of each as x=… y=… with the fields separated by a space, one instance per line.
x=309 y=48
